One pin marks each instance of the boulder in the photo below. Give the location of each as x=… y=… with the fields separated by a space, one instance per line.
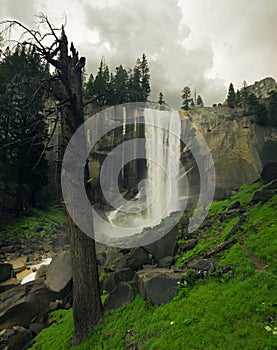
x=6 y=271
x=165 y=246
x=59 y=273
x=262 y=196
x=122 y=275
x=38 y=228
x=60 y=239
x=55 y=305
x=166 y=262
x=272 y=186
x=9 y=284
x=19 y=264
x=36 y=328
x=106 y=255
x=122 y=294
x=235 y=205
x=41 y=272
x=219 y=194
x=269 y=171
x=203 y=267
x=24 y=303
x=159 y=286
x=185 y=246
x=15 y=339
x=137 y=258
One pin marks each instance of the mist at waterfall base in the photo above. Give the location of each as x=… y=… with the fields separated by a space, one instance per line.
x=159 y=194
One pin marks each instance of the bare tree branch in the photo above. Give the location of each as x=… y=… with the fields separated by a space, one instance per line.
x=47 y=143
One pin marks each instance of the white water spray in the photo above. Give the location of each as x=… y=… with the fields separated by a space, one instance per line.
x=162 y=128
x=161 y=190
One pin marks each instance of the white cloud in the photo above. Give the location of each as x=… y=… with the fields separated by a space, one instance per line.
x=203 y=44
x=243 y=36
x=155 y=28
x=24 y=10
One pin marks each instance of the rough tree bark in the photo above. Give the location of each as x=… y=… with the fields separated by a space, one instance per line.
x=87 y=306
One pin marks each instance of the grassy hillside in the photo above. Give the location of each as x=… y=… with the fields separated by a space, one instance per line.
x=25 y=226
x=233 y=310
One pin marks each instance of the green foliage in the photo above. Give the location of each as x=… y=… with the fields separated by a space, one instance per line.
x=139 y=81
x=186 y=96
x=201 y=246
x=199 y=101
x=120 y=92
x=257 y=108
x=161 y=99
x=24 y=227
x=220 y=229
x=23 y=130
x=61 y=332
x=221 y=312
x=145 y=78
x=273 y=109
x=183 y=290
x=238 y=98
x=99 y=86
x=119 y=87
x=212 y=315
x=190 y=277
x=231 y=97
x=89 y=88
x=265 y=110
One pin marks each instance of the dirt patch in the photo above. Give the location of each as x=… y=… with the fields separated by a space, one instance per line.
x=258 y=263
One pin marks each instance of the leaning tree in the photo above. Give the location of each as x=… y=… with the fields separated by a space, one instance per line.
x=52 y=45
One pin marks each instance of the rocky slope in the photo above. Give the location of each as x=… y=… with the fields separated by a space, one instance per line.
x=224 y=275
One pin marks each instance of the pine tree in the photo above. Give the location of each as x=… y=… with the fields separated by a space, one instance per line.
x=231 y=98
x=101 y=84
x=244 y=93
x=145 y=78
x=135 y=91
x=258 y=109
x=87 y=307
x=238 y=98
x=23 y=130
x=186 y=96
x=161 y=99
x=89 y=89
x=199 y=101
x=120 y=85
x=139 y=81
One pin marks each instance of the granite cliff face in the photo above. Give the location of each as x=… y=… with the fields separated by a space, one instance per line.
x=235 y=142
x=263 y=88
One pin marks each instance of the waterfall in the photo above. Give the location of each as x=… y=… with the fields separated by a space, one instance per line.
x=162 y=147
x=160 y=190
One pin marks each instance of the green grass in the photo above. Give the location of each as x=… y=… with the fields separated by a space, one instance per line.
x=24 y=227
x=215 y=315
x=222 y=312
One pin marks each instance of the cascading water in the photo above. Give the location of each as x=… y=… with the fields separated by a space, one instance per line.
x=163 y=129
x=161 y=188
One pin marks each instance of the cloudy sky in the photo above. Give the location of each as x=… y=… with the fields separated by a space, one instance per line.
x=204 y=44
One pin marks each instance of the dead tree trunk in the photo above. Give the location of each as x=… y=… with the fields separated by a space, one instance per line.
x=87 y=307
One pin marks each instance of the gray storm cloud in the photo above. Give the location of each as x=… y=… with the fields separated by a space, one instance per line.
x=243 y=35
x=186 y=42
x=129 y=28
x=22 y=10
